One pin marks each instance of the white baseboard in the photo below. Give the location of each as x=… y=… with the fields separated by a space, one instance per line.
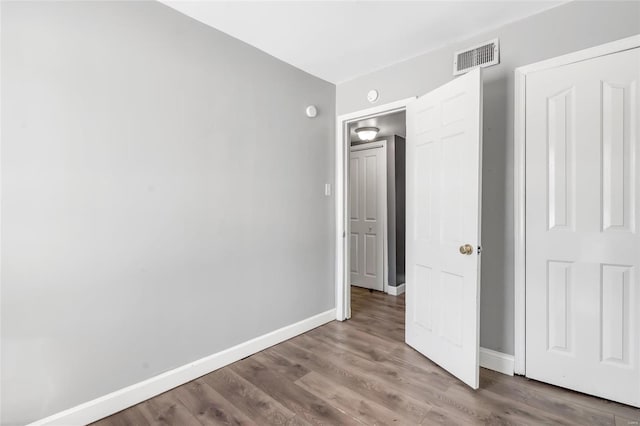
x=496 y=361
x=395 y=291
x=126 y=397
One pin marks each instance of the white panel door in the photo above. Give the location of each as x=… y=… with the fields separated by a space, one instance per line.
x=444 y=145
x=582 y=241
x=367 y=193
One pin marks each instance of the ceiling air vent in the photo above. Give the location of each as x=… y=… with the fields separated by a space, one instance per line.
x=482 y=55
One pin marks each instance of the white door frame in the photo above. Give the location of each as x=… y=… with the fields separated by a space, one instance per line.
x=519 y=177
x=343 y=291
x=385 y=217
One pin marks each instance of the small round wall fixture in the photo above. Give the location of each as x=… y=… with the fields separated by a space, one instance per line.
x=312 y=111
x=373 y=96
x=367 y=133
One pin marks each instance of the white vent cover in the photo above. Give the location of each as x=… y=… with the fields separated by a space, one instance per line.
x=482 y=55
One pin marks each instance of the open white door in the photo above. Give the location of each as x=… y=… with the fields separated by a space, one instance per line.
x=444 y=146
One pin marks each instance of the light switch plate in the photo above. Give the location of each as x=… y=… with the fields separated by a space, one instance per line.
x=327 y=189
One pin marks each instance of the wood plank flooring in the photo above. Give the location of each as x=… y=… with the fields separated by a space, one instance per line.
x=361 y=372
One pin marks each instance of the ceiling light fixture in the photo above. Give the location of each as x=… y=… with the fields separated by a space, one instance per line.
x=367 y=133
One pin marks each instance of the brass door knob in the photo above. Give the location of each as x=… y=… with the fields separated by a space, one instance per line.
x=466 y=249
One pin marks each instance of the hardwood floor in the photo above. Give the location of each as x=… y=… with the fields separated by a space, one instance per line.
x=361 y=372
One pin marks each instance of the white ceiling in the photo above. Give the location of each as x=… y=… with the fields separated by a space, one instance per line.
x=339 y=40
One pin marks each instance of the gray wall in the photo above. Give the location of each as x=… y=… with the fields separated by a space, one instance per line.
x=399 y=180
x=570 y=27
x=162 y=198
x=395 y=207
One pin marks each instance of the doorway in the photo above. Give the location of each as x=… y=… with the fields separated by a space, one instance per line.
x=443 y=193
x=376 y=203
x=343 y=149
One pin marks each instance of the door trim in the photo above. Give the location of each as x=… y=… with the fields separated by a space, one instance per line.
x=369 y=145
x=519 y=162
x=343 y=291
x=382 y=143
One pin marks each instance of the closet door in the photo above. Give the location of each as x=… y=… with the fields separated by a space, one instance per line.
x=582 y=241
x=368 y=192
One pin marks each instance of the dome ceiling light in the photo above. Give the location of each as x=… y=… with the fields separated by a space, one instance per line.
x=367 y=134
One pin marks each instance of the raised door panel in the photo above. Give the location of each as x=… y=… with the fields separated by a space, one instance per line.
x=354 y=247
x=370 y=255
x=424 y=194
x=617 y=285
x=560 y=116
x=425 y=293
x=559 y=312
x=371 y=188
x=451 y=294
x=453 y=186
x=354 y=188
x=619 y=113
